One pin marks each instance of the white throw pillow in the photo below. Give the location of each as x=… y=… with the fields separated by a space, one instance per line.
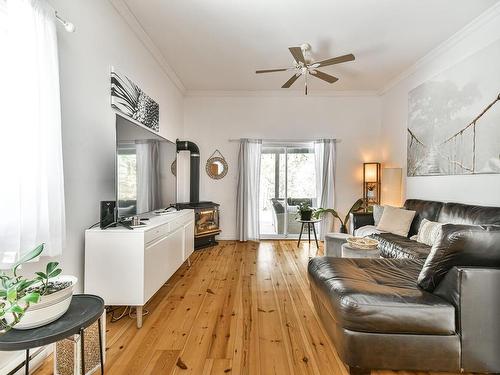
x=428 y=232
x=366 y=231
x=377 y=213
x=396 y=220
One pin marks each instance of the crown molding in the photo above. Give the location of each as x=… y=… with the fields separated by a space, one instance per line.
x=481 y=20
x=278 y=93
x=127 y=15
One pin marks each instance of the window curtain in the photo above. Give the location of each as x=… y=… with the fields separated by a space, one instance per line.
x=324 y=155
x=247 y=205
x=32 y=186
x=148 y=176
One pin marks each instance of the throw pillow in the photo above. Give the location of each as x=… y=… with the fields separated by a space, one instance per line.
x=396 y=220
x=460 y=245
x=377 y=213
x=428 y=232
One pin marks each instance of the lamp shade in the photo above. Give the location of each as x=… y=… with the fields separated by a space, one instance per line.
x=391 y=186
x=370 y=172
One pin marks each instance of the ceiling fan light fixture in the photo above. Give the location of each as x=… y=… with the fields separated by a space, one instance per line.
x=304 y=64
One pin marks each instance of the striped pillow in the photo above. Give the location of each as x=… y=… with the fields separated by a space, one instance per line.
x=428 y=232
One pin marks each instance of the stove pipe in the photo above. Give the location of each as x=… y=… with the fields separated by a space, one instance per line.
x=194 y=170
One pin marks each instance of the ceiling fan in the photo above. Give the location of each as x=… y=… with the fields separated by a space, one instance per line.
x=305 y=66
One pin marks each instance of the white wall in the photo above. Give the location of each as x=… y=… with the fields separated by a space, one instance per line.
x=477 y=189
x=102 y=39
x=210 y=121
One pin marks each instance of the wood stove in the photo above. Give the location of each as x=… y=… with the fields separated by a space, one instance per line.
x=206 y=224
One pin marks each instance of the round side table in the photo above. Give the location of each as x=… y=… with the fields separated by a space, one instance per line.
x=355 y=252
x=310 y=224
x=83 y=311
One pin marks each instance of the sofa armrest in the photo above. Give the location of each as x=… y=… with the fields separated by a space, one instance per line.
x=474 y=293
x=360 y=219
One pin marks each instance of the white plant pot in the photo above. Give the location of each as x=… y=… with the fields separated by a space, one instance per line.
x=50 y=307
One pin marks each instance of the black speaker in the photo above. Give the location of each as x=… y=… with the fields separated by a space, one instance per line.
x=107 y=213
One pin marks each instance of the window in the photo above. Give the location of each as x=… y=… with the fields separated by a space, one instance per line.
x=288 y=178
x=32 y=187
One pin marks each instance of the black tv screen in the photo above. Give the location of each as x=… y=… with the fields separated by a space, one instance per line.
x=144 y=178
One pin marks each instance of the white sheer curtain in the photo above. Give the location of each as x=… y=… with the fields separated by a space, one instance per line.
x=32 y=185
x=247 y=205
x=148 y=176
x=324 y=154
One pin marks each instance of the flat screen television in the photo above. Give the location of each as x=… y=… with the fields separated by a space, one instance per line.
x=145 y=181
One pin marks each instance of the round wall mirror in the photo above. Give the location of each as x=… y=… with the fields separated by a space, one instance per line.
x=173 y=167
x=216 y=167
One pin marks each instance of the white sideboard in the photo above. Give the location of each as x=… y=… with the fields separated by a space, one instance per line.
x=127 y=267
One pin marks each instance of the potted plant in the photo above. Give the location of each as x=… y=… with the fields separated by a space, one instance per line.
x=359 y=204
x=305 y=211
x=27 y=303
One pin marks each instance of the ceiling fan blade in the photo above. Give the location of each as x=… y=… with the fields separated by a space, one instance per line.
x=271 y=70
x=290 y=81
x=297 y=54
x=325 y=77
x=334 y=60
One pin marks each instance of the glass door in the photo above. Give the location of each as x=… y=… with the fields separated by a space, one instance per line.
x=288 y=178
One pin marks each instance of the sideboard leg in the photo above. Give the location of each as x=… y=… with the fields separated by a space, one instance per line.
x=138 y=311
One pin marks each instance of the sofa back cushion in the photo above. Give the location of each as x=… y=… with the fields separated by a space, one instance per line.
x=458 y=213
x=423 y=210
x=460 y=245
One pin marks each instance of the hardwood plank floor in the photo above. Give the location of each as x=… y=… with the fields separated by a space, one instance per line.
x=241 y=308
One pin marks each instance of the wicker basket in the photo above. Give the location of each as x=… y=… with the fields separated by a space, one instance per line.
x=362 y=242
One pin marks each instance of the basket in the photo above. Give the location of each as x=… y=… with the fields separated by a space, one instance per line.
x=362 y=242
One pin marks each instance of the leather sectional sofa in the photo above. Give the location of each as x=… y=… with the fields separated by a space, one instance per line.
x=379 y=318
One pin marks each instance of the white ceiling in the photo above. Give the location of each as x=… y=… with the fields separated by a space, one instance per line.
x=218 y=44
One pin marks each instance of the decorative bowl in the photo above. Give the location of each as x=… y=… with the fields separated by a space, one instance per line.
x=362 y=242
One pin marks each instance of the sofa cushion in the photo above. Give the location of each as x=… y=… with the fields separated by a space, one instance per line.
x=429 y=210
x=429 y=232
x=394 y=246
x=379 y=296
x=457 y=213
x=396 y=220
x=460 y=245
x=377 y=213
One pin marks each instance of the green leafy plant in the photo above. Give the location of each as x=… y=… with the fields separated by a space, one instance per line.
x=50 y=271
x=304 y=207
x=305 y=211
x=18 y=292
x=358 y=205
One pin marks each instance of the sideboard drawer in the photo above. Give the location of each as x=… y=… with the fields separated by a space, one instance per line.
x=155 y=233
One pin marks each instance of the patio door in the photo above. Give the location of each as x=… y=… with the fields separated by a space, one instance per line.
x=288 y=178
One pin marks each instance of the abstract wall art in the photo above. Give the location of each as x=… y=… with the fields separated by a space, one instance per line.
x=454 y=119
x=129 y=99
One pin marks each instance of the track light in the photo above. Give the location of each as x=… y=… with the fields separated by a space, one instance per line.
x=70 y=27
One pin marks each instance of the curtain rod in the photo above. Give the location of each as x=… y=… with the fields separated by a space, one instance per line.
x=336 y=140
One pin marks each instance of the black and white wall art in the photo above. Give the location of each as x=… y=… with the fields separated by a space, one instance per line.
x=129 y=99
x=454 y=119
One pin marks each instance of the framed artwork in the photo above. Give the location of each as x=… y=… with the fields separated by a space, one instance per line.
x=454 y=119
x=128 y=98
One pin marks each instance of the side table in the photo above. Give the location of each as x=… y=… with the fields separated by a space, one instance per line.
x=83 y=311
x=309 y=224
x=355 y=252
x=333 y=244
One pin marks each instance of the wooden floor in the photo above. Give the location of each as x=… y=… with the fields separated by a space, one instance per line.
x=241 y=308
